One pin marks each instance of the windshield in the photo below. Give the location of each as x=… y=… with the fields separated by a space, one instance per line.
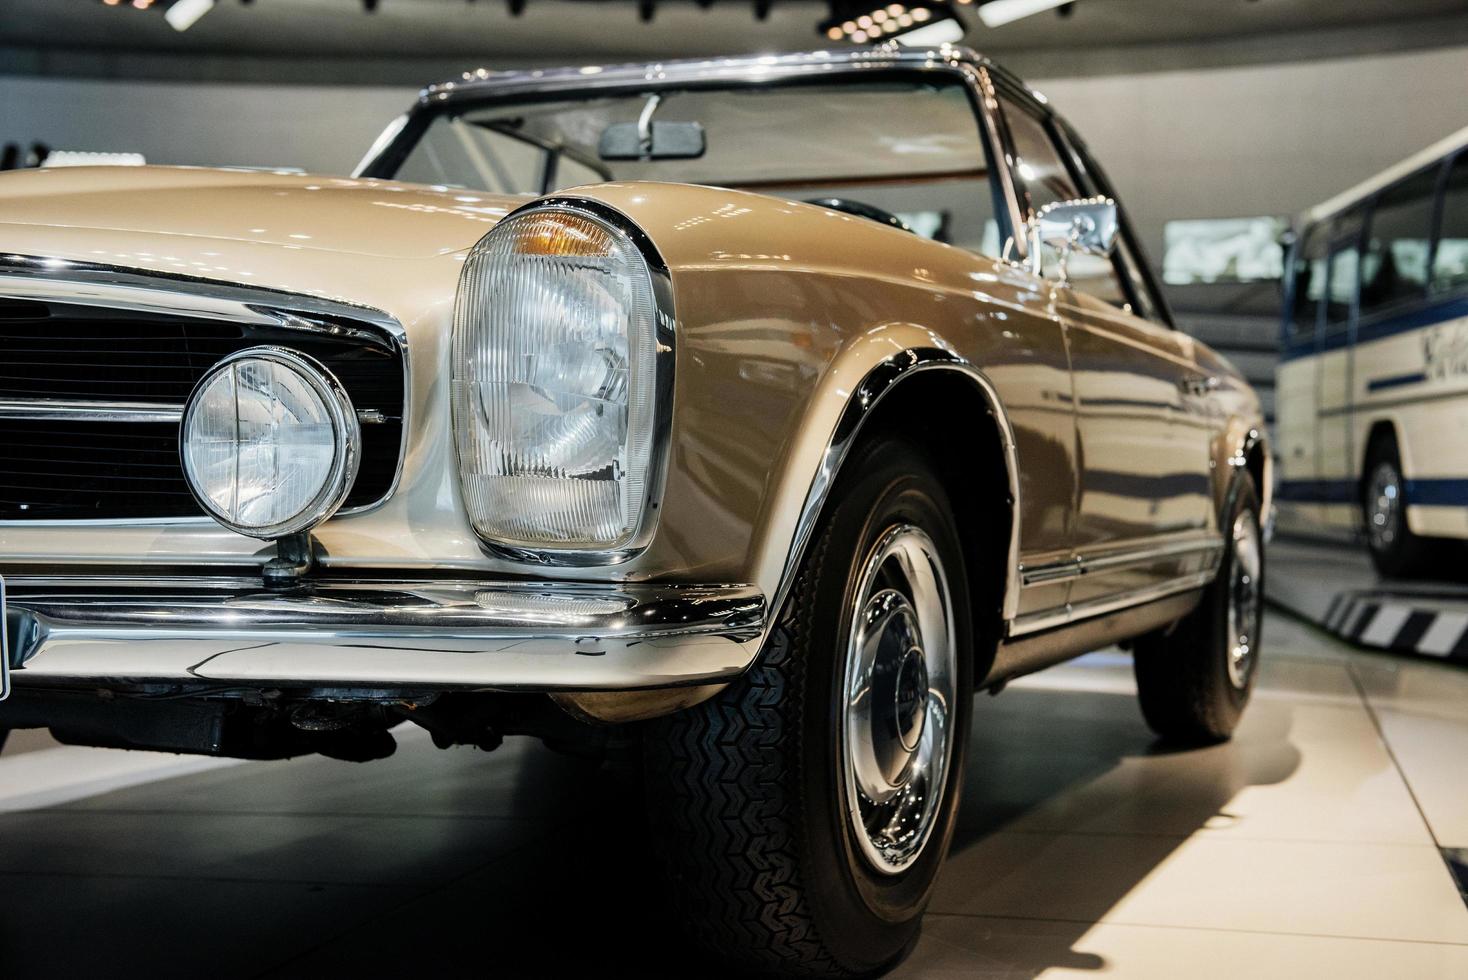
x=889 y=148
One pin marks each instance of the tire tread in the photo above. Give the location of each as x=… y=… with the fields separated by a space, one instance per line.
x=736 y=848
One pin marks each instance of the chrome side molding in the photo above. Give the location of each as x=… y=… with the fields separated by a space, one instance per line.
x=1209 y=551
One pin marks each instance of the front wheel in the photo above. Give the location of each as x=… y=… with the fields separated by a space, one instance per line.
x=1195 y=678
x=805 y=811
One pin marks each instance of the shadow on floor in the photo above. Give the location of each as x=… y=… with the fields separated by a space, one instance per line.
x=525 y=864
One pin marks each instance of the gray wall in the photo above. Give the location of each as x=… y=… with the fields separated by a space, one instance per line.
x=1258 y=139
x=1262 y=139
x=319 y=128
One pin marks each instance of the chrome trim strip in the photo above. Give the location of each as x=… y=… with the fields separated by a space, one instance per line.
x=1055 y=571
x=665 y=344
x=1141 y=556
x=1051 y=618
x=988 y=99
x=89 y=411
x=880 y=380
x=502 y=636
x=118 y=287
x=1080 y=565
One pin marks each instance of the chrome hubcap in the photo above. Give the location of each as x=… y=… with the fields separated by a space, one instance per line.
x=1244 y=600
x=899 y=695
x=1383 y=506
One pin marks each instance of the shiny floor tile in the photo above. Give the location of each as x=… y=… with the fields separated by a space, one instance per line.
x=1364 y=891
x=1433 y=754
x=968 y=948
x=1307 y=846
x=1295 y=771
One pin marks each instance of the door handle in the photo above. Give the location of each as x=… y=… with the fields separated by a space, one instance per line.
x=1197 y=384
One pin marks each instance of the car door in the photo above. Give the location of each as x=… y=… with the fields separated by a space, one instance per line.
x=1143 y=512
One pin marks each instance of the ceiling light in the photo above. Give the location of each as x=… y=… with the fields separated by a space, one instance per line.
x=853 y=21
x=185 y=13
x=936 y=34
x=997 y=13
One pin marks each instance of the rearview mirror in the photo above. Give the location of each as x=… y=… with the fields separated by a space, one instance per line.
x=1087 y=226
x=656 y=141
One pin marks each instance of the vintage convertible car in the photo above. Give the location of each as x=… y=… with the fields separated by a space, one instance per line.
x=760 y=409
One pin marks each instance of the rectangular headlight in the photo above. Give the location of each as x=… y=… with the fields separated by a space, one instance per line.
x=556 y=383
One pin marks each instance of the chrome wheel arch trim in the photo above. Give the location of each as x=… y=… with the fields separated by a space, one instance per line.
x=878 y=382
x=146 y=291
x=1238 y=462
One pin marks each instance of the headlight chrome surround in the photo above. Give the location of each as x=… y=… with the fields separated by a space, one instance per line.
x=337 y=411
x=532 y=274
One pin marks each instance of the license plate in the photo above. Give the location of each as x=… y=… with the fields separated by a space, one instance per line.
x=4 y=647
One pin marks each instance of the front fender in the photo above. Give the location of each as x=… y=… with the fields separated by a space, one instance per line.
x=793 y=321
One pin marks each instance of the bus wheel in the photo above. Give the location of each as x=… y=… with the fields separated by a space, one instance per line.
x=1395 y=550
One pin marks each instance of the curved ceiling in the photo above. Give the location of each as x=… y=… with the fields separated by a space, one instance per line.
x=484 y=30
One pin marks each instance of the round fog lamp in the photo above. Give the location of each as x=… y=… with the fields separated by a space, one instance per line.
x=270 y=442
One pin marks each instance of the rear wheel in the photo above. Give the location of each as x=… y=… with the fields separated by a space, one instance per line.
x=1194 y=679
x=1395 y=550
x=805 y=811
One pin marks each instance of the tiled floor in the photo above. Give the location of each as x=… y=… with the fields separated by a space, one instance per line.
x=1316 y=844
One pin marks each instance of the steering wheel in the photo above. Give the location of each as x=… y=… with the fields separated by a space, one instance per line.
x=861 y=210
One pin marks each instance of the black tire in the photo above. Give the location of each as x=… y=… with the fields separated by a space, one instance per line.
x=746 y=790
x=1184 y=683
x=1395 y=550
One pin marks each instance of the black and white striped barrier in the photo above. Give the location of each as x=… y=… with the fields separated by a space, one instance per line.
x=1403 y=623
x=1335 y=587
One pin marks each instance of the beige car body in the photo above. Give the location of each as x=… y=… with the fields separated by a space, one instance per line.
x=795 y=326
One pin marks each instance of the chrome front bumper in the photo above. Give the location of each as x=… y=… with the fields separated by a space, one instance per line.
x=380 y=635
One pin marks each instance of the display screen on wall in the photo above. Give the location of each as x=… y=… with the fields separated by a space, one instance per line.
x=1223 y=250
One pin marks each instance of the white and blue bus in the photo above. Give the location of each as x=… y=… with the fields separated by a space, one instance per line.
x=1372 y=388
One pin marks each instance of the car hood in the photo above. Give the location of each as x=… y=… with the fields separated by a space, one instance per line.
x=298 y=211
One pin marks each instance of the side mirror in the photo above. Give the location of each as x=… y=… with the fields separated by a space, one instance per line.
x=1087 y=226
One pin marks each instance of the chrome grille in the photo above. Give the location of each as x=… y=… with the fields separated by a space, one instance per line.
x=91 y=396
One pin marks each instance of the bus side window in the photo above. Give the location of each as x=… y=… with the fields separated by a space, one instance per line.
x=1394 y=268
x=1309 y=273
x=1450 y=266
x=1345 y=266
